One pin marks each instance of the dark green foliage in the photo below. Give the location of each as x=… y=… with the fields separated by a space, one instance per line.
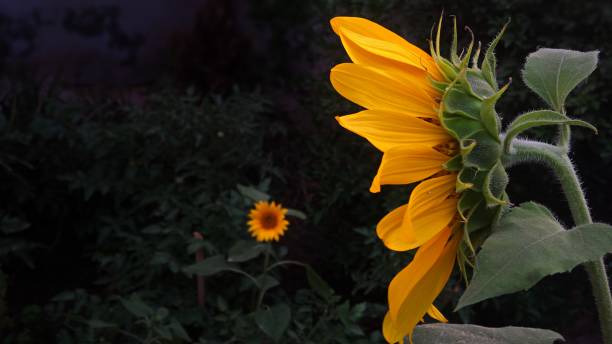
x=98 y=200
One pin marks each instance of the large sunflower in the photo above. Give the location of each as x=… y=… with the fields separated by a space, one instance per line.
x=395 y=82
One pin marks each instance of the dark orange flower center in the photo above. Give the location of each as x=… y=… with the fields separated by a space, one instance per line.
x=269 y=221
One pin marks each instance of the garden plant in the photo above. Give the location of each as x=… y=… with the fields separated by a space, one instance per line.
x=435 y=120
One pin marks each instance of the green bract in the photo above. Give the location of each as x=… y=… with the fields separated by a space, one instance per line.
x=468 y=113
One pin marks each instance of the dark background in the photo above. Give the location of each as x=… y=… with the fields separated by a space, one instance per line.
x=125 y=126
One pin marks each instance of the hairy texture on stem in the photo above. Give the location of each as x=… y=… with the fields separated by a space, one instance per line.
x=556 y=158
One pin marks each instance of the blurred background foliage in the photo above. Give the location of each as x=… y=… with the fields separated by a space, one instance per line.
x=105 y=175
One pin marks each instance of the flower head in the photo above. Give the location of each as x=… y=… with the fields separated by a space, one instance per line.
x=433 y=127
x=267 y=221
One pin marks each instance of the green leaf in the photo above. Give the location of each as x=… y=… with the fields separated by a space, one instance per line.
x=472 y=334
x=210 y=266
x=539 y=118
x=137 y=307
x=214 y=265
x=553 y=73
x=266 y=282
x=528 y=245
x=178 y=330
x=273 y=321
x=318 y=284
x=244 y=251
x=296 y=213
x=252 y=193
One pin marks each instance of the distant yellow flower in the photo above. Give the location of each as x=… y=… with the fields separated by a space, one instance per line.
x=267 y=221
x=395 y=81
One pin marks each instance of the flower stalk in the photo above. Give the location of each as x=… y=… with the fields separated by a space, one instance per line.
x=556 y=158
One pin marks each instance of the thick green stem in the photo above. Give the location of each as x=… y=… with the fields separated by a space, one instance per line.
x=558 y=161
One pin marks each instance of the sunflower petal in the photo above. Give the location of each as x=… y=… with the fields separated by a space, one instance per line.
x=428 y=212
x=390 y=332
x=436 y=314
x=374 y=89
x=410 y=297
x=408 y=164
x=386 y=129
x=369 y=43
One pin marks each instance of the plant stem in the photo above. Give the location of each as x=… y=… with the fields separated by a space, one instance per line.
x=262 y=290
x=559 y=162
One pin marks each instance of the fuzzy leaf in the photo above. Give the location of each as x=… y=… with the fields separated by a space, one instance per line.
x=528 y=245
x=453 y=333
x=243 y=251
x=273 y=321
x=537 y=119
x=553 y=73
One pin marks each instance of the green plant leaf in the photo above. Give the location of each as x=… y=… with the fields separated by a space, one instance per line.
x=273 y=321
x=267 y=282
x=527 y=245
x=296 y=213
x=137 y=307
x=318 y=284
x=252 y=193
x=244 y=251
x=178 y=330
x=472 y=334
x=539 y=118
x=216 y=264
x=553 y=73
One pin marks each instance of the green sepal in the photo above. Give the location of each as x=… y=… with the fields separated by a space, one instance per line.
x=470 y=179
x=460 y=127
x=539 y=118
x=494 y=186
x=476 y=57
x=454 y=57
x=468 y=200
x=489 y=116
x=489 y=63
x=438 y=85
x=454 y=164
x=460 y=103
x=485 y=153
x=479 y=217
x=447 y=68
x=478 y=85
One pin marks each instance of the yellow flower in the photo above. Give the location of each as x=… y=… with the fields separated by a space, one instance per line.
x=267 y=221
x=394 y=81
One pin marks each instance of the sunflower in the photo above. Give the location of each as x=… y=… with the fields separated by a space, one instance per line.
x=395 y=82
x=267 y=221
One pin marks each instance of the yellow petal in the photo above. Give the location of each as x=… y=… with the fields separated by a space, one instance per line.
x=412 y=291
x=390 y=332
x=436 y=314
x=386 y=129
x=369 y=43
x=374 y=89
x=429 y=211
x=408 y=164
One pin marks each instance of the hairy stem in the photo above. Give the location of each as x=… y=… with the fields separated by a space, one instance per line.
x=556 y=158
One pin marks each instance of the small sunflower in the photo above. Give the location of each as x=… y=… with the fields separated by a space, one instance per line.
x=267 y=221
x=395 y=82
